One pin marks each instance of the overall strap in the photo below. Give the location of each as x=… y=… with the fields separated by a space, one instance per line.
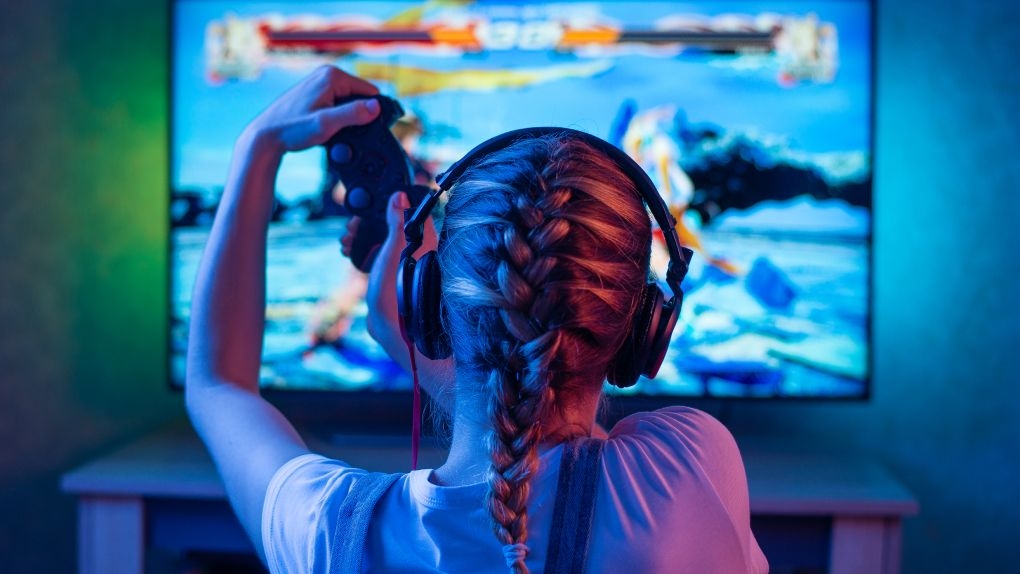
x=352 y=520
x=580 y=469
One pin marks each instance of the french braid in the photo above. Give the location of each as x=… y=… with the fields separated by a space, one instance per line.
x=543 y=252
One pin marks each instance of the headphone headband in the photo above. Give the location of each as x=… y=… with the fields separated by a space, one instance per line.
x=679 y=256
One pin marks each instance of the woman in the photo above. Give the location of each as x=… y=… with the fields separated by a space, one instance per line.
x=544 y=253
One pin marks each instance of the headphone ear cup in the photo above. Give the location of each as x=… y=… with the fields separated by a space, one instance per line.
x=425 y=325
x=659 y=336
x=627 y=366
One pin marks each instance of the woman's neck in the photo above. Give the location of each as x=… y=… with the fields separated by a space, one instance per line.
x=469 y=459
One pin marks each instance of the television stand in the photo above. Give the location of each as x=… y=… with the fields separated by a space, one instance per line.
x=810 y=511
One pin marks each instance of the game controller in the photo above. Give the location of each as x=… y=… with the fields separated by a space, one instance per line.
x=372 y=165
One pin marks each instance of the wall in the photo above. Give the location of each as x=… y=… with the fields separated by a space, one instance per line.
x=82 y=270
x=82 y=265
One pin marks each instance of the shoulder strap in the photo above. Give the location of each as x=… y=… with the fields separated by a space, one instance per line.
x=570 y=533
x=353 y=516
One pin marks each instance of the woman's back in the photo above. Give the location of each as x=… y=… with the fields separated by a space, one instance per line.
x=671 y=498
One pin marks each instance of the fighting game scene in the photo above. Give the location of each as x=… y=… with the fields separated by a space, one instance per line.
x=754 y=120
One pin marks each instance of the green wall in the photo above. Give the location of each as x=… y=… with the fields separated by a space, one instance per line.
x=82 y=255
x=83 y=243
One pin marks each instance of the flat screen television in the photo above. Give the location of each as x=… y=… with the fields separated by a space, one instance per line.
x=754 y=119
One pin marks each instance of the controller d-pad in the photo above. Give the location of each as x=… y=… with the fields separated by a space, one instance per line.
x=373 y=164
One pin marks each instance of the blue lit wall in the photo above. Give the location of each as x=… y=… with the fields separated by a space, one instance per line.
x=82 y=271
x=945 y=415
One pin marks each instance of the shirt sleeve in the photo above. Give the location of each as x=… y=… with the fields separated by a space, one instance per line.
x=678 y=470
x=300 y=505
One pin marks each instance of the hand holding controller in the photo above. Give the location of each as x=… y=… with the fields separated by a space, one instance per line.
x=372 y=165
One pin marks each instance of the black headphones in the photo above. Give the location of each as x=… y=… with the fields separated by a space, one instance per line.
x=418 y=282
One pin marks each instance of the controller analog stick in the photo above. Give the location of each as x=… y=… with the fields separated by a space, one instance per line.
x=341 y=153
x=359 y=199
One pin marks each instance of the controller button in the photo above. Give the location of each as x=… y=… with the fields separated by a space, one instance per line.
x=341 y=153
x=358 y=199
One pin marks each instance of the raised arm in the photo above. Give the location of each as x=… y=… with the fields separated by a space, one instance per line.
x=249 y=439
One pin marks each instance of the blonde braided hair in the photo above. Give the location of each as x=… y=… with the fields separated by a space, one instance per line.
x=543 y=252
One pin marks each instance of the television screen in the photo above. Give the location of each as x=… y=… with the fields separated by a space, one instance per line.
x=753 y=118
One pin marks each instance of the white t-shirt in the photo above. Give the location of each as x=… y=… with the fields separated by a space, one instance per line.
x=672 y=498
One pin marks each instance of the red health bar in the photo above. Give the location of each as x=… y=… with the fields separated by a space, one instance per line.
x=347 y=40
